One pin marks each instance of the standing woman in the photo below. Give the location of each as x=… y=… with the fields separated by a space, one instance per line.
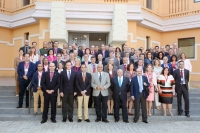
x=174 y=62
x=157 y=69
x=110 y=102
x=33 y=56
x=160 y=56
x=187 y=63
x=77 y=66
x=65 y=56
x=149 y=58
x=151 y=76
x=166 y=85
x=17 y=60
x=130 y=73
x=88 y=52
x=51 y=56
x=60 y=69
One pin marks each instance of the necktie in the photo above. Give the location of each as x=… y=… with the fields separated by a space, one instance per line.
x=51 y=76
x=83 y=77
x=120 y=82
x=26 y=50
x=175 y=51
x=68 y=75
x=100 y=77
x=140 y=83
x=125 y=67
x=94 y=69
x=181 y=74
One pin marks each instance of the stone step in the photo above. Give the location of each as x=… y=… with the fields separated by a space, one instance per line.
x=24 y=111
x=19 y=117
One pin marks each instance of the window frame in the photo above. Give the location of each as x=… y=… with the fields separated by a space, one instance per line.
x=195 y=1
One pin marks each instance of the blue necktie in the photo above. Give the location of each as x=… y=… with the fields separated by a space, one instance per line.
x=140 y=83
x=100 y=77
x=120 y=82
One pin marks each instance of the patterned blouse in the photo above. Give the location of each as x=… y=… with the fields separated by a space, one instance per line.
x=166 y=83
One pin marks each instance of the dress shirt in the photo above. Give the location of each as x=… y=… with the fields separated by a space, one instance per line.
x=183 y=75
x=39 y=78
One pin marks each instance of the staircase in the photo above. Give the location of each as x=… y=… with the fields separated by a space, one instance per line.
x=9 y=112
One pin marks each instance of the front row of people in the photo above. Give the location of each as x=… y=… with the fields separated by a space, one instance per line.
x=69 y=83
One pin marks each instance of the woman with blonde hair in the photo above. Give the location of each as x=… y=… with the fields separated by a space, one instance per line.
x=33 y=56
x=151 y=76
x=77 y=66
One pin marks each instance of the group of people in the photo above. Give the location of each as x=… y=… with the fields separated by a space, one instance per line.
x=107 y=78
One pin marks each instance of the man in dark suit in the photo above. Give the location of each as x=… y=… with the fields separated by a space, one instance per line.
x=162 y=49
x=139 y=85
x=67 y=91
x=56 y=62
x=141 y=65
x=100 y=60
x=83 y=84
x=50 y=84
x=25 y=71
x=26 y=47
x=75 y=47
x=120 y=86
x=155 y=54
x=181 y=77
x=56 y=49
x=104 y=52
x=168 y=65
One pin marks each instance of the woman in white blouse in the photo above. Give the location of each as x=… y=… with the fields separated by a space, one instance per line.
x=151 y=76
x=157 y=69
x=88 y=52
x=187 y=63
x=33 y=56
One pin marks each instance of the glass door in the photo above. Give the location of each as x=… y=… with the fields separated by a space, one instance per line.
x=79 y=39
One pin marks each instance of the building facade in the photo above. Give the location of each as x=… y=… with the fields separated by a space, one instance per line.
x=138 y=23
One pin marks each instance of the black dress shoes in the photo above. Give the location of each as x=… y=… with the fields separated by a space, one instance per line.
x=179 y=113
x=43 y=121
x=97 y=120
x=116 y=120
x=70 y=120
x=145 y=122
x=187 y=114
x=79 y=120
x=64 y=120
x=19 y=106
x=53 y=120
x=27 y=106
x=126 y=121
x=106 y=121
x=87 y=120
x=134 y=121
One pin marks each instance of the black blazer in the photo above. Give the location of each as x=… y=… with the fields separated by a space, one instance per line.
x=68 y=86
x=53 y=85
x=35 y=81
x=116 y=89
x=22 y=48
x=59 y=50
x=56 y=64
x=177 y=78
x=81 y=86
x=106 y=54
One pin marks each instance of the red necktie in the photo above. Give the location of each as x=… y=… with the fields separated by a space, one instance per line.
x=51 y=76
x=125 y=67
x=94 y=69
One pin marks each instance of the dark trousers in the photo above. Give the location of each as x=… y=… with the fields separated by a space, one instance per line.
x=101 y=106
x=47 y=99
x=23 y=85
x=141 y=100
x=117 y=102
x=182 y=91
x=67 y=106
x=90 y=99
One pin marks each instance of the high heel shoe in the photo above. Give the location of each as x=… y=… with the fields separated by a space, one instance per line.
x=170 y=114
x=164 y=114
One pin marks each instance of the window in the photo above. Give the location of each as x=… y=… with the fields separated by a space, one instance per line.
x=196 y=1
x=187 y=46
x=149 y=4
x=26 y=2
x=26 y=36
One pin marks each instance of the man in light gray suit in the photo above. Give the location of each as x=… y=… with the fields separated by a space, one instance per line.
x=124 y=65
x=100 y=85
x=116 y=62
x=111 y=61
x=176 y=51
x=136 y=56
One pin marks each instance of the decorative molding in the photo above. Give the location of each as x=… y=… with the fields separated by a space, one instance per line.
x=195 y=73
x=137 y=38
x=151 y=43
x=43 y=34
x=13 y=42
x=7 y=69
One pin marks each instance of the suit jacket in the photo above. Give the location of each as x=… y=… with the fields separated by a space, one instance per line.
x=81 y=86
x=169 y=58
x=155 y=54
x=76 y=69
x=53 y=85
x=67 y=86
x=90 y=68
x=106 y=53
x=106 y=68
x=116 y=89
x=35 y=81
x=177 y=78
x=116 y=62
x=134 y=58
x=147 y=61
x=136 y=64
x=20 y=71
x=56 y=64
x=23 y=49
x=59 y=50
x=122 y=67
x=80 y=52
x=170 y=68
x=44 y=51
x=134 y=89
x=38 y=62
x=105 y=82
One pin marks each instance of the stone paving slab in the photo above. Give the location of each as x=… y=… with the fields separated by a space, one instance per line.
x=92 y=127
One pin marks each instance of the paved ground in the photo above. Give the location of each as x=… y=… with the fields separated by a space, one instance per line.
x=83 y=127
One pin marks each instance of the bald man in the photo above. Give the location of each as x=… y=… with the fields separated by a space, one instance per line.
x=120 y=86
x=26 y=47
x=50 y=83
